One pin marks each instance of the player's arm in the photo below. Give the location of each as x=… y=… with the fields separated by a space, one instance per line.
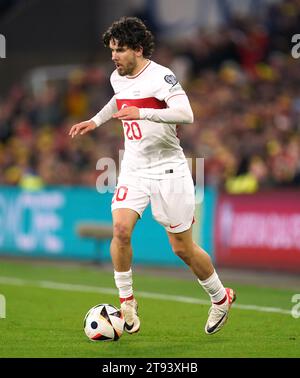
x=178 y=111
x=103 y=116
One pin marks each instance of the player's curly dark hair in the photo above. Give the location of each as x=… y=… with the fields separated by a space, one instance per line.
x=130 y=32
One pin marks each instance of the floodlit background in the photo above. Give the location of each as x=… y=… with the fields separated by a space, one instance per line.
x=234 y=60
x=241 y=70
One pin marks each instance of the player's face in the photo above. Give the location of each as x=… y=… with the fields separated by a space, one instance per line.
x=124 y=58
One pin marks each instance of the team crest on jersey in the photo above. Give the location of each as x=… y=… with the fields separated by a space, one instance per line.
x=171 y=79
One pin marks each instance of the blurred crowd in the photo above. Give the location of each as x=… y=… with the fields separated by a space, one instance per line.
x=244 y=87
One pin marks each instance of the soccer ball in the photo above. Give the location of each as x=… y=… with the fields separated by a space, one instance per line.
x=104 y=322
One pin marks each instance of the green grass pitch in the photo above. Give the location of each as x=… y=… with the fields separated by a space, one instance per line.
x=44 y=318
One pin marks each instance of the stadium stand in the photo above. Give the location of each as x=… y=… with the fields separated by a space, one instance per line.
x=244 y=87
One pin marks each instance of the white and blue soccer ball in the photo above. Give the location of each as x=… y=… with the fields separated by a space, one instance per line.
x=104 y=322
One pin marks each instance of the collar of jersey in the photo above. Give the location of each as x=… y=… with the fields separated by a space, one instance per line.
x=141 y=71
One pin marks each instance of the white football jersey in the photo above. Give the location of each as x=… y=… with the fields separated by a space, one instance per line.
x=152 y=149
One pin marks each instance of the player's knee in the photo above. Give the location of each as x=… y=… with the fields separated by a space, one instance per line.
x=122 y=233
x=183 y=255
x=181 y=250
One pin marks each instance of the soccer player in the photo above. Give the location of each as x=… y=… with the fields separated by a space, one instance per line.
x=150 y=102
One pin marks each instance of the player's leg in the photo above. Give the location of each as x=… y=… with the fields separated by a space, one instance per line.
x=175 y=210
x=196 y=258
x=200 y=263
x=128 y=205
x=124 y=221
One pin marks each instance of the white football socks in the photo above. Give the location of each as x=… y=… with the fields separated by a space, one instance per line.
x=214 y=288
x=123 y=282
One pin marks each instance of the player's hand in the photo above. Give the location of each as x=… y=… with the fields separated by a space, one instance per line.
x=129 y=113
x=82 y=128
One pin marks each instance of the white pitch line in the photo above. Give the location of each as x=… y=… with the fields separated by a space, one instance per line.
x=143 y=294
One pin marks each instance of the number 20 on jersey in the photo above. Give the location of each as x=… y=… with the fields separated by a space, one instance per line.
x=132 y=130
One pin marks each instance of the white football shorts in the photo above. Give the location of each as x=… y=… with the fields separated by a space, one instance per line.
x=172 y=200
